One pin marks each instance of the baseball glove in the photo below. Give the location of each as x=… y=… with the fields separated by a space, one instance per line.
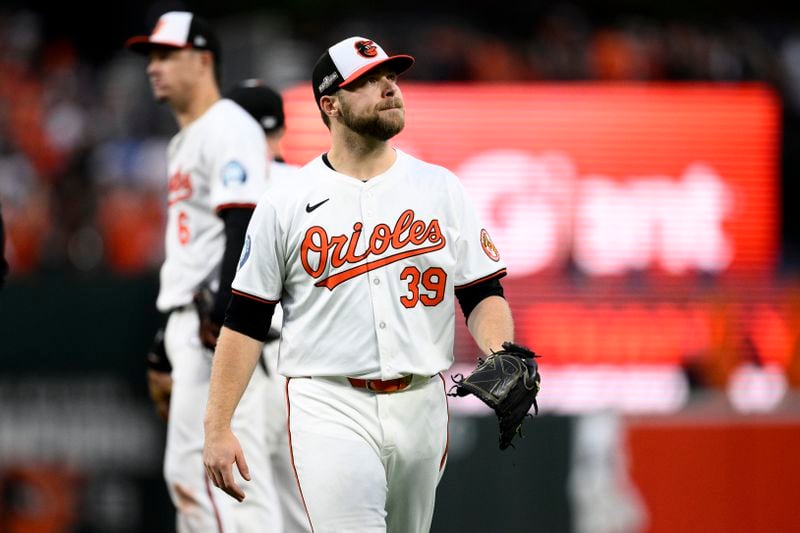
x=508 y=382
x=209 y=328
x=159 y=378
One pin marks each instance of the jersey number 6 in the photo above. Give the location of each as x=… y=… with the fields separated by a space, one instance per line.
x=184 y=233
x=433 y=280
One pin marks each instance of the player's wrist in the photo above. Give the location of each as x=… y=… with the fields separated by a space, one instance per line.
x=214 y=427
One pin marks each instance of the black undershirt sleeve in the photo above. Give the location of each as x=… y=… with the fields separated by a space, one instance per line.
x=249 y=316
x=469 y=297
x=236 y=220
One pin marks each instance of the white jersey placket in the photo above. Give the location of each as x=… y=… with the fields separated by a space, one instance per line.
x=380 y=295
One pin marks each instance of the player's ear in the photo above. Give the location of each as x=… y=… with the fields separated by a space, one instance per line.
x=329 y=105
x=206 y=59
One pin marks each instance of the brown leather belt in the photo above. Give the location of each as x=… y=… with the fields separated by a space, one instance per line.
x=377 y=385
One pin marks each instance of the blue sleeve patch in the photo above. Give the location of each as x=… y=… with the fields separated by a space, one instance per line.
x=245 y=252
x=233 y=173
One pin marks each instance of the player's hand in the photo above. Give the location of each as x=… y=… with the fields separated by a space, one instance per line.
x=209 y=328
x=221 y=450
x=209 y=333
x=160 y=386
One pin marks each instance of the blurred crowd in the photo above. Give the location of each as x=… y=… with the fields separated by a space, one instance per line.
x=82 y=168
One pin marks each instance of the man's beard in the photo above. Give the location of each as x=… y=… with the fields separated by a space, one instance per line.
x=381 y=126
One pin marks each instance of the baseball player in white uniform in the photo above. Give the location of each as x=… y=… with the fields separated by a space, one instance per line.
x=367 y=251
x=217 y=171
x=265 y=105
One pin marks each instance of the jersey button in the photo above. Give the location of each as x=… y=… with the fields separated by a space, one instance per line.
x=376 y=281
x=382 y=325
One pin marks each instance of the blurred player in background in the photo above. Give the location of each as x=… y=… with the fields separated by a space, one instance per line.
x=265 y=105
x=217 y=171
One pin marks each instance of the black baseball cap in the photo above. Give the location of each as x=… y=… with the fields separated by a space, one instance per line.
x=348 y=60
x=263 y=103
x=178 y=29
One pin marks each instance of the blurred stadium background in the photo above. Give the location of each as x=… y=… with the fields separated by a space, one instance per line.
x=635 y=162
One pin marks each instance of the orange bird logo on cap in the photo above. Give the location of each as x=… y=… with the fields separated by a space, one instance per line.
x=366 y=49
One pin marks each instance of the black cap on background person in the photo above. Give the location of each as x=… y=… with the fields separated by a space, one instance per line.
x=262 y=102
x=179 y=30
x=265 y=105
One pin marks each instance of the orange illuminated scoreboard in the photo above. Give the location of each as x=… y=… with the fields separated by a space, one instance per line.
x=668 y=178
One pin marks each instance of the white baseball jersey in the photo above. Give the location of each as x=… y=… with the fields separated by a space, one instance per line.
x=365 y=271
x=280 y=172
x=217 y=161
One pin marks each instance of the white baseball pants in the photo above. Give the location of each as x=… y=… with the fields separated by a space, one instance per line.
x=201 y=507
x=366 y=461
x=274 y=413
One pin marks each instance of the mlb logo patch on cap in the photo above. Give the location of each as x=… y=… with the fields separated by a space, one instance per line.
x=348 y=60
